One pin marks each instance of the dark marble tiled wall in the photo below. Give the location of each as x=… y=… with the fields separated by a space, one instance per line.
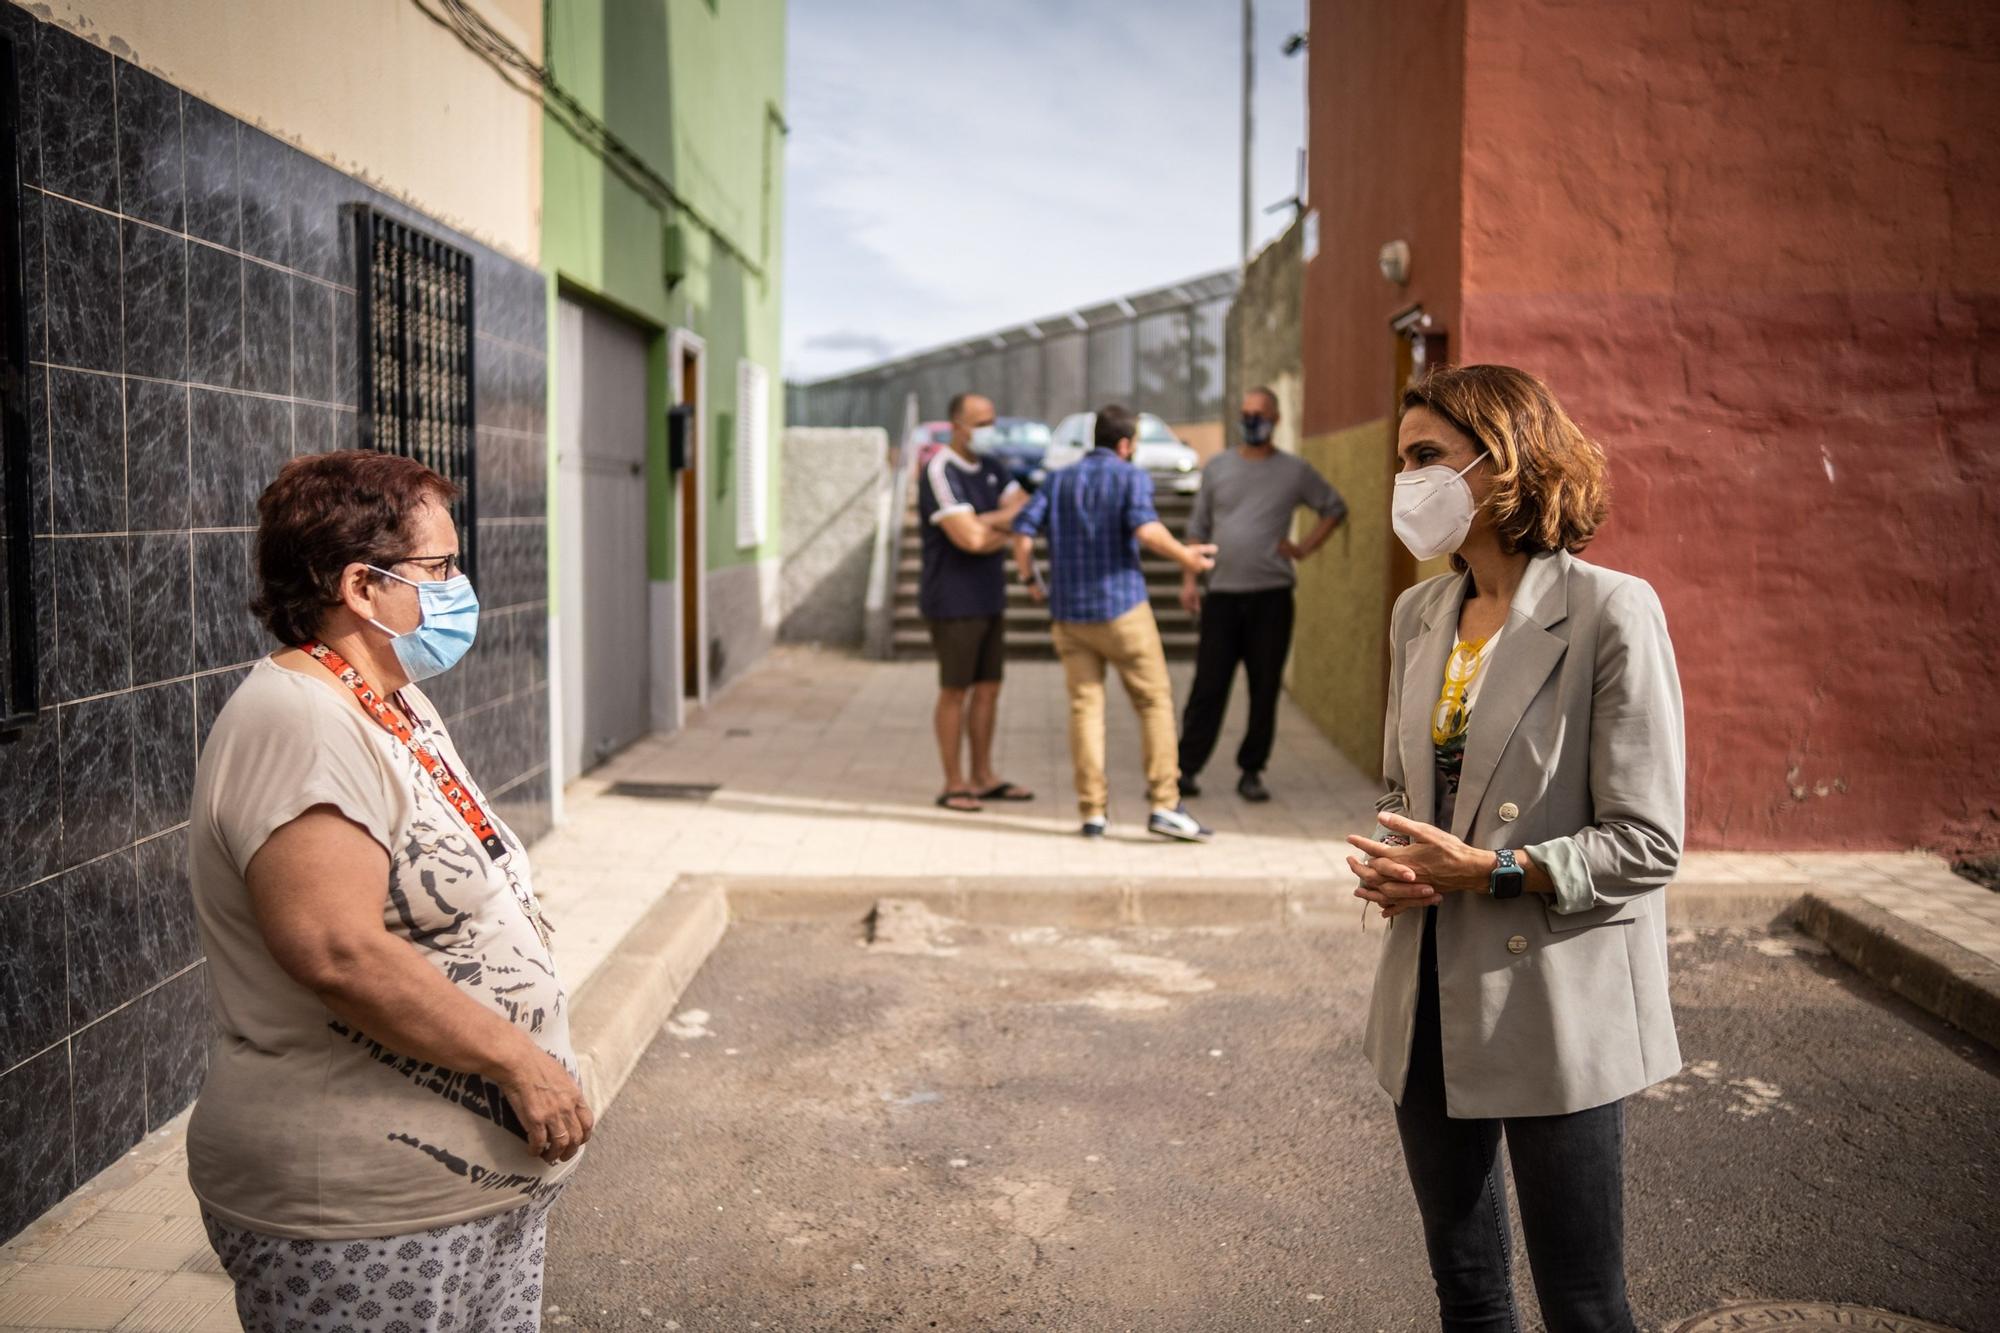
x=191 y=317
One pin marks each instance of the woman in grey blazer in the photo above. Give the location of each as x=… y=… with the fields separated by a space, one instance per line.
x=1535 y=768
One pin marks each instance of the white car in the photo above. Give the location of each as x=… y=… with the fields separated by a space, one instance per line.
x=1158 y=450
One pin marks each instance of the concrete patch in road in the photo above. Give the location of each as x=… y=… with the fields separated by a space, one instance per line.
x=628 y=999
x=964 y=1142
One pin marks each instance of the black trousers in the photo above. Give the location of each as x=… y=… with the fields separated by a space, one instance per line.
x=1255 y=630
x=1568 y=1171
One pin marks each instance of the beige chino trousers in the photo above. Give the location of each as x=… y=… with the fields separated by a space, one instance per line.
x=1131 y=644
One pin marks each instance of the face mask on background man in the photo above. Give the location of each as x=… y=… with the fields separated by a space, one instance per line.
x=1257 y=429
x=985 y=439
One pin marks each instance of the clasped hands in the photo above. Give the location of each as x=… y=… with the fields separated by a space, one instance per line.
x=1400 y=876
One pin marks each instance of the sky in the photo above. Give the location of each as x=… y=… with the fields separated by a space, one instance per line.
x=955 y=166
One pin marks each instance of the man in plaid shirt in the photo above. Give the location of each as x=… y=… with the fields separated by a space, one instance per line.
x=1096 y=516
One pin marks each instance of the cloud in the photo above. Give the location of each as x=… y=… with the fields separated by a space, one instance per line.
x=957 y=167
x=874 y=345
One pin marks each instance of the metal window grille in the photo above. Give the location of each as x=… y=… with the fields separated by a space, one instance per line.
x=18 y=620
x=416 y=363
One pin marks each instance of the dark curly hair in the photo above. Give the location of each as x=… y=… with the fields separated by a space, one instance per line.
x=323 y=513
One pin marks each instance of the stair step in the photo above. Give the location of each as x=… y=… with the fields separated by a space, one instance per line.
x=1156 y=571
x=1164 y=593
x=911 y=645
x=1036 y=620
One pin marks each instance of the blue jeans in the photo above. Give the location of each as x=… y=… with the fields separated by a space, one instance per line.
x=1568 y=1170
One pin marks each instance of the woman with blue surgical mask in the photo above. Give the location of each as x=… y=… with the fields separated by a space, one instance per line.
x=392 y=1066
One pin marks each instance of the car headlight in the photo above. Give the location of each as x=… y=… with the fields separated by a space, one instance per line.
x=1186 y=465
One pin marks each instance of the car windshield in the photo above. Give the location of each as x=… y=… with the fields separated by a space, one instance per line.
x=939 y=434
x=1022 y=432
x=1152 y=430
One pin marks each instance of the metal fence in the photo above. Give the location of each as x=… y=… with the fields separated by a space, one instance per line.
x=1157 y=351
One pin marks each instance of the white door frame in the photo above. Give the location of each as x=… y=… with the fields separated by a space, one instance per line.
x=679 y=341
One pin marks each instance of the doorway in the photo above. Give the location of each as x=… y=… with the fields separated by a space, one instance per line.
x=687 y=358
x=601 y=479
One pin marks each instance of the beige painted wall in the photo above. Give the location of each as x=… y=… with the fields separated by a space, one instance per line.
x=1340 y=650
x=373 y=87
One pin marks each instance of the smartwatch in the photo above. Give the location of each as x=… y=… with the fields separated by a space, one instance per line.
x=1507 y=878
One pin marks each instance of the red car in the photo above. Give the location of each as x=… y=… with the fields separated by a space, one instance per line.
x=926 y=439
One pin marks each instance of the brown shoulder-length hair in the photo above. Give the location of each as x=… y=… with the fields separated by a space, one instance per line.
x=325 y=512
x=1550 y=489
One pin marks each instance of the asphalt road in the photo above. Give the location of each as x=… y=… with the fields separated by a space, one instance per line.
x=1161 y=1130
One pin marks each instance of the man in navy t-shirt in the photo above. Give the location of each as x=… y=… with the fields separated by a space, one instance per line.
x=966 y=504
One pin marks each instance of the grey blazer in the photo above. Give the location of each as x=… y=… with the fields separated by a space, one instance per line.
x=1575 y=752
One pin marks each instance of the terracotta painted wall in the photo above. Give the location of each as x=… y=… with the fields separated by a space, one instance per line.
x=1385 y=96
x=1753 y=249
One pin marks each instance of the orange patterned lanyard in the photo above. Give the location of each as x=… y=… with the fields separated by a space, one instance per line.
x=449 y=787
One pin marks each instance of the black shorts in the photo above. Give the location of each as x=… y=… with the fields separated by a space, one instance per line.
x=970 y=649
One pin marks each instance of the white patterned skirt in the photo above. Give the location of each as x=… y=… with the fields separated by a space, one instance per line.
x=483 y=1276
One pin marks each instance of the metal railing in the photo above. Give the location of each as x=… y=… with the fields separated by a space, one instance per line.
x=1157 y=351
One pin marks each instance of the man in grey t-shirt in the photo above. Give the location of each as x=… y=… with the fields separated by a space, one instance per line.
x=1245 y=508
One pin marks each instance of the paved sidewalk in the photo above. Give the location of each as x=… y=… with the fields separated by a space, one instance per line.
x=825 y=771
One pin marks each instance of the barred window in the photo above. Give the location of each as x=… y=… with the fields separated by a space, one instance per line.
x=416 y=363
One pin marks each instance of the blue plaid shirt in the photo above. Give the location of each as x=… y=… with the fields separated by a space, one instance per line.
x=1090 y=512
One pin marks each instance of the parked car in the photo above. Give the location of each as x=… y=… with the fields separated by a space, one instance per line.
x=1157 y=449
x=926 y=438
x=1022 y=442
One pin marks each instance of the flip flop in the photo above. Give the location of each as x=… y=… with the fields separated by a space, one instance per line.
x=1007 y=791
x=945 y=802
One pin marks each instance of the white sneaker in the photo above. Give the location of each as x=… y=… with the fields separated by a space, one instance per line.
x=1093 y=827
x=1178 y=823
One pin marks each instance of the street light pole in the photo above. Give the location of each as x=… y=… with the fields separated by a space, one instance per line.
x=1249 y=83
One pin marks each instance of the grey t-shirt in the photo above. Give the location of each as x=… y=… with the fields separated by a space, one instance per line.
x=1245 y=507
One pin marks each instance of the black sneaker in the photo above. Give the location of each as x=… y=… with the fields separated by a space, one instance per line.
x=1252 y=788
x=1189 y=786
x=1093 y=827
x=1177 y=823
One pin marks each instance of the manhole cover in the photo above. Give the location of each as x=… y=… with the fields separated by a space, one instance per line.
x=1806 y=1317
x=665 y=791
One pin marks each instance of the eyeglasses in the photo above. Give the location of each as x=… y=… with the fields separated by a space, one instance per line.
x=437 y=566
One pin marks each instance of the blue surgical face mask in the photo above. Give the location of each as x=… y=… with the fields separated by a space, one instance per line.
x=450 y=621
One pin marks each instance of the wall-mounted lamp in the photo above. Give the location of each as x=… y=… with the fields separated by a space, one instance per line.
x=1394 y=261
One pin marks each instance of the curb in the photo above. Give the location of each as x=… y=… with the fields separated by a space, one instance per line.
x=1098 y=902
x=619 y=1010
x=1920 y=965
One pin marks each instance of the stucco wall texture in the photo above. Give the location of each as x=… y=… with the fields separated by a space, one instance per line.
x=376 y=88
x=1752 y=247
x=835 y=484
x=1384 y=91
x=1753 y=250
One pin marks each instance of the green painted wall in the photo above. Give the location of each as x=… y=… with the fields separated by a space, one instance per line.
x=695 y=90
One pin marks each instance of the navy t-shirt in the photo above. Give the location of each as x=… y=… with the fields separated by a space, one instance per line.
x=956 y=582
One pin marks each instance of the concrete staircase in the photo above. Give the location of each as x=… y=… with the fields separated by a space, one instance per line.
x=1028 y=621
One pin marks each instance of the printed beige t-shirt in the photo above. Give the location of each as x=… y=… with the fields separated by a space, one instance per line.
x=304 y=1127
